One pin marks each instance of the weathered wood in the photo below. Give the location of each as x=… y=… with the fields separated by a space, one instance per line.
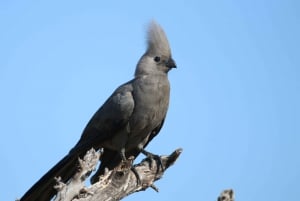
x=115 y=184
x=66 y=192
x=226 y=195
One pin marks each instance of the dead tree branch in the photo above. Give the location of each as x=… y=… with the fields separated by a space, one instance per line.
x=115 y=184
x=226 y=195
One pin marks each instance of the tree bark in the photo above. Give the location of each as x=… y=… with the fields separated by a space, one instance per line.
x=120 y=182
x=226 y=195
x=115 y=184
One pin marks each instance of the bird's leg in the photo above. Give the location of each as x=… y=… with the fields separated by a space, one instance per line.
x=125 y=163
x=124 y=160
x=122 y=153
x=153 y=156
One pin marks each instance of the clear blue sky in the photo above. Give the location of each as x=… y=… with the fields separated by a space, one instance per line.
x=235 y=99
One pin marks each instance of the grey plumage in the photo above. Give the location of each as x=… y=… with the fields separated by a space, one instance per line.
x=126 y=122
x=157 y=42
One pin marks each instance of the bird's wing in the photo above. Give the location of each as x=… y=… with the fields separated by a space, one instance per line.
x=111 y=158
x=155 y=132
x=112 y=116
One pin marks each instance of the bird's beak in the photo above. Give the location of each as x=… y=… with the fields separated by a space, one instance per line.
x=171 y=63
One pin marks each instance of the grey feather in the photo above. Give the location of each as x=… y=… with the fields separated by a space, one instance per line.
x=157 y=41
x=131 y=117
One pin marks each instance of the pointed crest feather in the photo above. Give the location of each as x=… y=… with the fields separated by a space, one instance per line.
x=157 y=41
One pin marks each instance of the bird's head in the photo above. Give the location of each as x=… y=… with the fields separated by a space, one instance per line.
x=157 y=58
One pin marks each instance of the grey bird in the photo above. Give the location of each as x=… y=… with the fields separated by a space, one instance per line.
x=124 y=125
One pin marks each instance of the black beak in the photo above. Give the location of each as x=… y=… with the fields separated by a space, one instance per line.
x=171 y=63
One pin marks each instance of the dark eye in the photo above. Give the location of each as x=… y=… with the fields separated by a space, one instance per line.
x=156 y=59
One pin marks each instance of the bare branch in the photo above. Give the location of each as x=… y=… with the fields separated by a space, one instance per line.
x=66 y=192
x=226 y=195
x=115 y=184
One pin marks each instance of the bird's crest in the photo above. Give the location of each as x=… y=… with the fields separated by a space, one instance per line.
x=157 y=42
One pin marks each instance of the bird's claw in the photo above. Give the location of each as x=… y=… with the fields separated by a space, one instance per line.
x=127 y=164
x=154 y=157
x=138 y=178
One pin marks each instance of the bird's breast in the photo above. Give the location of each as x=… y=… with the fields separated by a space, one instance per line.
x=151 y=97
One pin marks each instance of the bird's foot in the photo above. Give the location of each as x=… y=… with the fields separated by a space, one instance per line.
x=138 y=178
x=152 y=157
x=127 y=164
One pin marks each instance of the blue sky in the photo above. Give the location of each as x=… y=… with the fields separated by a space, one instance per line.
x=235 y=101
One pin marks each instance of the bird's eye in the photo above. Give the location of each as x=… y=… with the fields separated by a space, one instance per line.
x=156 y=59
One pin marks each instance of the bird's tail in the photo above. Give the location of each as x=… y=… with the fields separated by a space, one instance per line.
x=43 y=190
